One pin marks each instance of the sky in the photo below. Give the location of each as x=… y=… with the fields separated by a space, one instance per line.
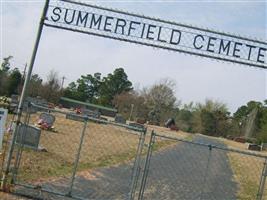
x=73 y=54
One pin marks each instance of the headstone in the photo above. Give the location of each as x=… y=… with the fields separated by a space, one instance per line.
x=90 y=113
x=254 y=147
x=3 y=117
x=47 y=118
x=264 y=146
x=75 y=117
x=29 y=108
x=119 y=119
x=137 y=125
x=29 y=136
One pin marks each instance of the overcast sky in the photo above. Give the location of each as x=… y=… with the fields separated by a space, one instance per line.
x=73 y=54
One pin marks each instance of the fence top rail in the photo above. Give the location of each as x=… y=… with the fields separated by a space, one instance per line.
x=86 y=118
x=212 y=146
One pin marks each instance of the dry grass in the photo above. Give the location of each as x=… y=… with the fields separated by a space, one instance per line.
x=103 y=145
x=240 y=146
x=7 y=196
x=168 y=132
x=247 y=170
x=247 y=173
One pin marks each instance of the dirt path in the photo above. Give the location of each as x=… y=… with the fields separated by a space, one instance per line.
x=183 y=173
x=179 y=172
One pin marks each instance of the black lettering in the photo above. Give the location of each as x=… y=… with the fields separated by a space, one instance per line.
x=82 y=19
x=249 y=51
x=143 y=30
x=107 y=23
x=172 y=36
x=96 y=22
x=223 y=48
x=237 y=44
x=261 y=55
x=149 y=31
x=66 y=16
x=210 y=44
x=131 y=26
x=159 y=35
x=120 y=25
x=195 y=40
x=56 y=11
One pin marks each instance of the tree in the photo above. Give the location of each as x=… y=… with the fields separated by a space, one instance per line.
x=35 y=86
x=113 y=85
x=249 y=118
x=160 y=100
x=5 y=66
x=14 y=80
x=85 y=88
x=131 y=101
x=185 y=116
x=51 y=88
x=94 y=89
x=210 y=118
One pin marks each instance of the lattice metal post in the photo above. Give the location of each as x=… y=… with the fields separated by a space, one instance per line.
x=206 y=172
x=137 y=167
x=262 y=181
x=23 y=94
x=147 y=163
x=77 y=157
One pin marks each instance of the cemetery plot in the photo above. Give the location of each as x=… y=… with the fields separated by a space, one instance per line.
x=104 y=145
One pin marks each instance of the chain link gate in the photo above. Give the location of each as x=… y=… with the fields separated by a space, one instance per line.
x=203 y=169
x=78 y=157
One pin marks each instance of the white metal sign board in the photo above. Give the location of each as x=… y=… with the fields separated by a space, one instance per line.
x=128 y=27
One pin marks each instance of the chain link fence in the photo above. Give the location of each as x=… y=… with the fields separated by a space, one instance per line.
x=75 y=156
x=204 y=169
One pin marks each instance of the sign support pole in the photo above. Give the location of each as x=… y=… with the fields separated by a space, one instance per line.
x=23 y=95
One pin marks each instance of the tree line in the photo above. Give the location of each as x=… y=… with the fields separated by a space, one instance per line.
x=154 y=104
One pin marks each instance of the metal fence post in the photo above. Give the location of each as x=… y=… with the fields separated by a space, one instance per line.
x=147 y=163
x=23 y=94
x=77 y=157
x=262 y=181
x=21 y=145
x=137 y=167
x=206 y=172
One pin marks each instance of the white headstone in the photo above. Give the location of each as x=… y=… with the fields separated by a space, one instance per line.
x=3 y=117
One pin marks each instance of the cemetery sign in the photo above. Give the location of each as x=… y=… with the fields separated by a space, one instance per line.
x=114 y=24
